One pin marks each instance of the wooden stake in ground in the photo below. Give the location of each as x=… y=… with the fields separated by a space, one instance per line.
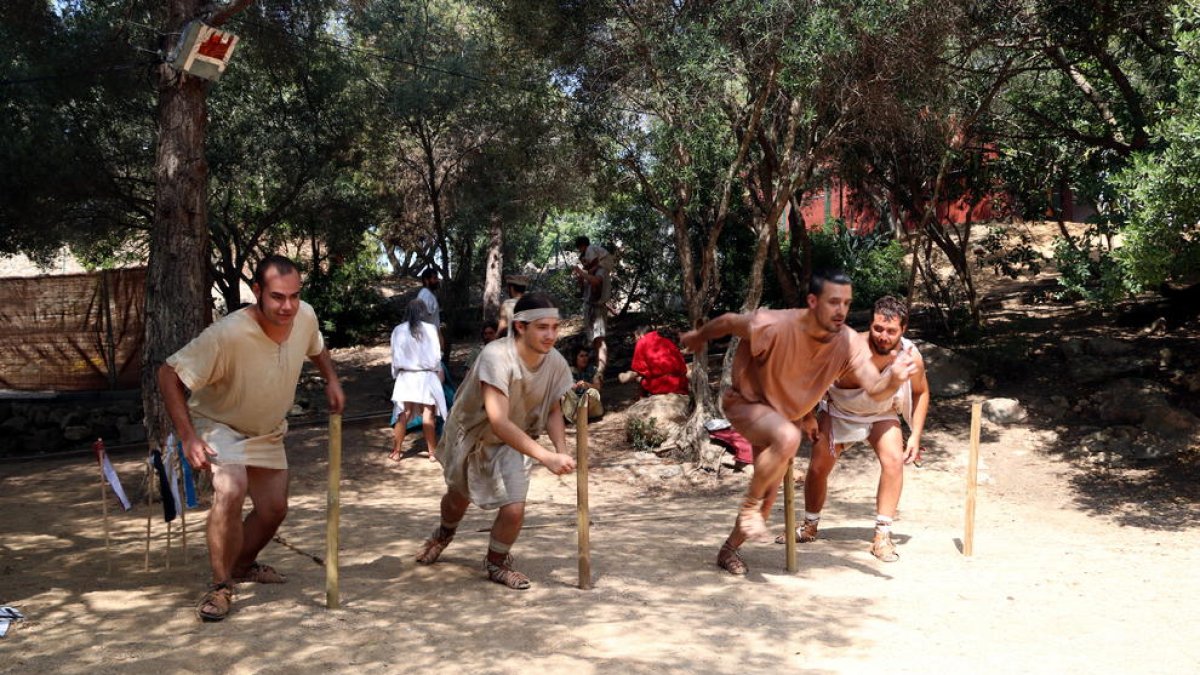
x=104 y=506
x=581 y=496
x=333 y=511
x=789 y=516
x=972 y=480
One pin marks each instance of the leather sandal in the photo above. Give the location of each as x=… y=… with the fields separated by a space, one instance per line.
x=731 y=561
x=505 y=575
x=216 y=602
x=259 y=573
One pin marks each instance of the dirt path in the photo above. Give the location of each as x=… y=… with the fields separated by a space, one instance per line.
x=1054 y=586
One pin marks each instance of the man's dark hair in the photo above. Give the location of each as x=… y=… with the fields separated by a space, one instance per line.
x=429 y=273
x=583 y=349
x=532 y=301
x=282 y=264
x=582 y=240
x=891 y=308
x=494 y=325
x=830 y=276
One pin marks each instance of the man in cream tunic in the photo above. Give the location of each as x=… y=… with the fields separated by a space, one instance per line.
x=242 y=372
x=488 y=448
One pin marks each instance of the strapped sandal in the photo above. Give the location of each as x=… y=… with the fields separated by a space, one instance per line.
x=432 y=549
x=750 y=520
x=805 y=533
x=216 y=602
x=505 y=575
x=731 y=561
x=259 y=573
x=883 y=548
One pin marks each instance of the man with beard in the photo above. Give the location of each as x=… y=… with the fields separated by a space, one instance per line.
x=786 y=361
x=850 y=416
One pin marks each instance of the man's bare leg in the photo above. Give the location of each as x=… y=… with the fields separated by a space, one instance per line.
x=399 y=430
x=505 y=530
x=268 y=490
x=453 y=507
x=225 y=519
x=779 y=438
x=600 y=347
x=888 y=442
x=820 y=465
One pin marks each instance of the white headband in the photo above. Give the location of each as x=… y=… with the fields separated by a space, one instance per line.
x=528 y=315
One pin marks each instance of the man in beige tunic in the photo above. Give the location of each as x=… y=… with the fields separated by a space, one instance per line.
x=784 y=364
x=489 y=449
x=242 y=372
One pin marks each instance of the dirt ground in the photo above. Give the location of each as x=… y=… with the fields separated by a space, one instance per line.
x=1066 y=577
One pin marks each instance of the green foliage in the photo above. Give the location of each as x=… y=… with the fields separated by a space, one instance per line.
x=643 y=433
x=347 y=300
x=1160 y=189
x=1088 y=272
x=1009 y=252
x=874 y=259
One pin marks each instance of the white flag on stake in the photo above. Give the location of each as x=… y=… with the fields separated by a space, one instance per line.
x=110 y=474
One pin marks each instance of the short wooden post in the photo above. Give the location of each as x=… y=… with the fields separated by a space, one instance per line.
x=972 y=480
x=333 y=511
x=107 y=535
x=581 y=496
x=789 y=516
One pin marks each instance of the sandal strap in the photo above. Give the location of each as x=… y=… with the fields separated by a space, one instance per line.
x=504 y=574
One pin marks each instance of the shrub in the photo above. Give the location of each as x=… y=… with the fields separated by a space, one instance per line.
x=874 y=259
x=643 y=433
x=347 y=301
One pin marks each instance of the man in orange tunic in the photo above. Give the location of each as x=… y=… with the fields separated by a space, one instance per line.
x=786 y=361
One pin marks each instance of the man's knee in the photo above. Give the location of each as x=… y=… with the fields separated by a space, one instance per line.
x=786 y=439
x=512 y=513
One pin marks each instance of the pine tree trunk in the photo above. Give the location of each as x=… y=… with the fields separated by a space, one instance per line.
x=493 y=270
x=177 y=301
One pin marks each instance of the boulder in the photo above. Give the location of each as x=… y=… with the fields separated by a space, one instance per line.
x=1004 y=410
x=1106 y=346
x=949 y=373
x=1126 y=401
x=77 y=432
x=667 y=410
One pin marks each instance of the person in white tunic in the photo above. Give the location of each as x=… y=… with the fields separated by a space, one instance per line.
x=489 y=447
x=417 y=367
x=430 y=283
x=242 y=373
x=849 y=416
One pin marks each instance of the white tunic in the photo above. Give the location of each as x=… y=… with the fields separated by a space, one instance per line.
x=415 y=365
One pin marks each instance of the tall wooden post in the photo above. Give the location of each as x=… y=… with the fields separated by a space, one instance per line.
x=972 y=480
x=581 y=503
x=333 y=511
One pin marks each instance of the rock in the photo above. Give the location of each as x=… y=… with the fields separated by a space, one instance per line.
x=1127 y=401
x=668 y=410
x=1192 y=382
x=131 y=433
x=644 y=456
x=1092 y=369
x=296 y=410
x=77 y=432
x=15 y=424
x=1170 y=422
x=671 y=472
x=949 y=373
x=1004 y=410
x=1105 y=346
x=1060 y=401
